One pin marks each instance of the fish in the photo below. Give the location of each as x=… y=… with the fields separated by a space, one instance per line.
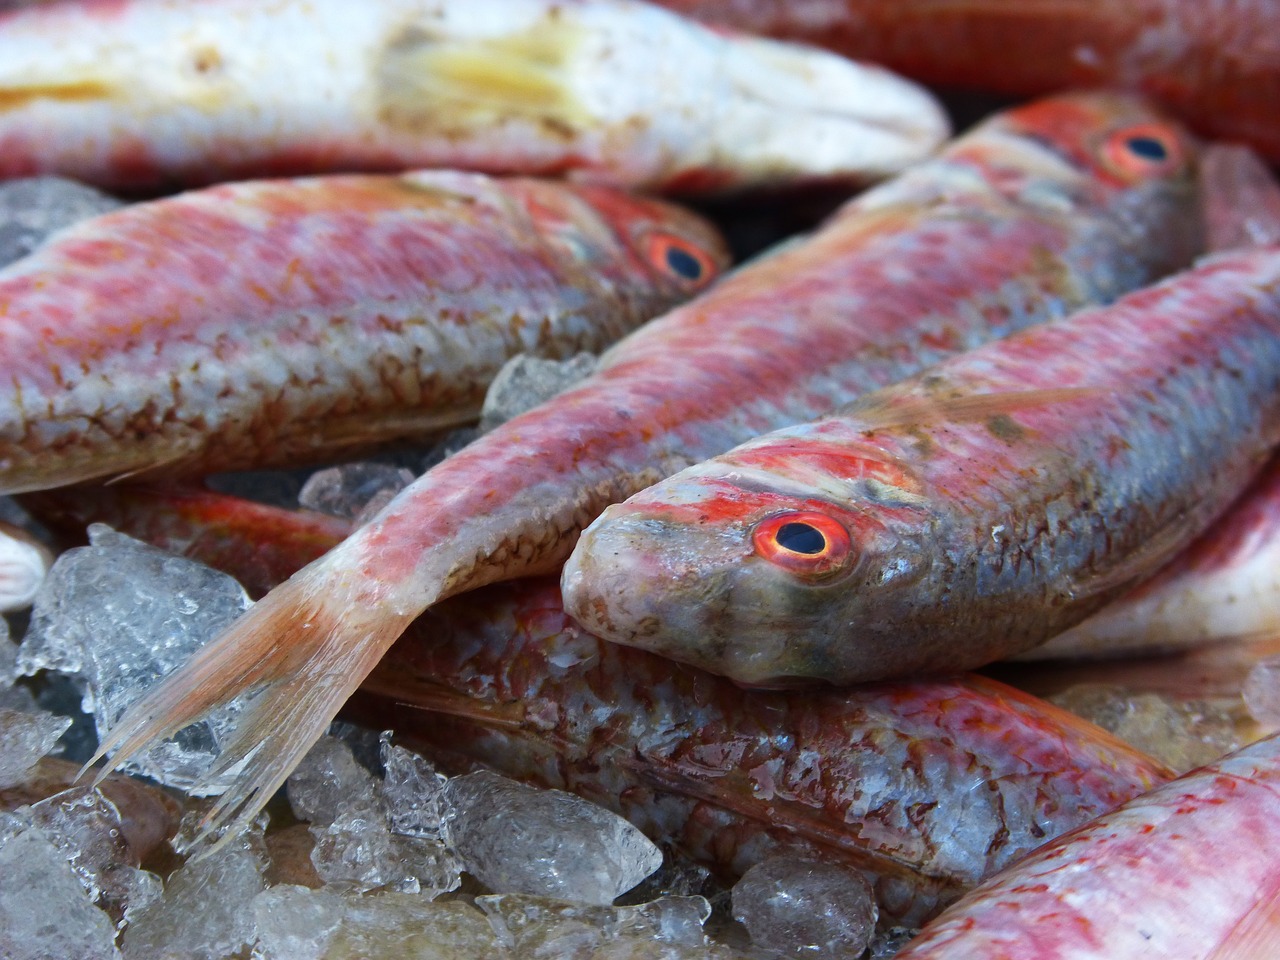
x=1225 y=586
x=1041 y=209
x=876 y=778
x=1185 y=872
x=144 y=95
x=1214 y=63
x=964 y=514
x=280 y=322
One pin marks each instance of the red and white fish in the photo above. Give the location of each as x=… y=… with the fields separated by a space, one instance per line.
x=1216 y=63
x=1037 y=211
x=962 y=515
x=1186 y=872
x=149 y=93
x=281 y=321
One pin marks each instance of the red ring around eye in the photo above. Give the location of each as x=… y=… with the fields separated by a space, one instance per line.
x=803 y=542
x=680 y=259
x=1147 y=148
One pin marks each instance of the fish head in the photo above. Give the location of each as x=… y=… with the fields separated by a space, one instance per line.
x=754 y=573
x=675 y=248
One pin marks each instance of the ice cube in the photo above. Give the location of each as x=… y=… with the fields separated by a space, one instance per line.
x=526 y=381
x=1262 y=692
x=44 y=910
x=359 y=851
x=518 y=839
x=205 y=912
x=88 y=829
x=34 y=207
x=329 y=779
x=120 y=614
x=351 y=490
x=25 y=738
x=800 y=907
x=295 y=923
x=413 y=792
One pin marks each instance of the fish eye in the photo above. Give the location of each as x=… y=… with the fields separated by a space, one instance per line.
x=1146 y=149
x=803 y=542
x=679 y=259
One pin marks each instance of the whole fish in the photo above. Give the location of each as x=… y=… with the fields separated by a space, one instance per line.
x=147 y=93
x=1214 y=62
x=1186 y=872
x=1044 y=208
x=962 y=515
x=279 y=321
x=878 y=778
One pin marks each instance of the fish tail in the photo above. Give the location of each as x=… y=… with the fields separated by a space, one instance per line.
x=300 y=652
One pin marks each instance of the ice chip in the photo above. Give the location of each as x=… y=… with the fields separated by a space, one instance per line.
x=413 y=792
x=44 y=910
x=354 y=489
x=24 y=739
x=360 y=852
x=87 y=828
x=205 y=912
x=1262 y=692
x=798 y=907
x=295 y=923
x=34 y=207
x=518 y=839
x=119 y=614
x=328 y=780
x=526 y=381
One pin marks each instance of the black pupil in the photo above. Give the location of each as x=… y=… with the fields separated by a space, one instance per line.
x=684 y=263
x=1148 y=148
x=801 y=538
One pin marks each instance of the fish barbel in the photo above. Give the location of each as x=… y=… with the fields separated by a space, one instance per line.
x=148 y=93
x=281 y=321
x=1186 y=872
x=1039 y=210
x=878 y=778
x=1216 y=63
x=964 y=514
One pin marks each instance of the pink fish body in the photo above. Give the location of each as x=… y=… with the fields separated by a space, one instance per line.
x=278 y=321
x=145 y=93
x=1186 y=872
x=1042 y=209
x=960 y=516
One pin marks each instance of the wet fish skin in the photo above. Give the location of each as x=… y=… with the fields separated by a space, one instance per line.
x=1225 y=586
x=1037 y=211
x=964 y=514
x=1216 y=63
x=286 y=321
x=143 y=94
x=1186 y=872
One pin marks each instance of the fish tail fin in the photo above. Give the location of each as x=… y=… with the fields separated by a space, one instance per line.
x=301 y=651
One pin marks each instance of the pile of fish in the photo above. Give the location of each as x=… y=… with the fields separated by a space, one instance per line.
x=1018 y=397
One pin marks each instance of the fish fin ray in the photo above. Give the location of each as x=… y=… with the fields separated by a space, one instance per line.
x=1257 y=934
x=882 y=412
x=302 y=649
x=1143 y=561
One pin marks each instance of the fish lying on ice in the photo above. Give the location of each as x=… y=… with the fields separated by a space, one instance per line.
x=1049 y=206
x=1216 y=63
x=1186 y=872
x=149 y=93
x=962 y=515
x=877 y=778
x=285 y=321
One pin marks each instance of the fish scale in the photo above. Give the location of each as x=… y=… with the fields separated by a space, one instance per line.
x=1022 y=219
x=1033 y=480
